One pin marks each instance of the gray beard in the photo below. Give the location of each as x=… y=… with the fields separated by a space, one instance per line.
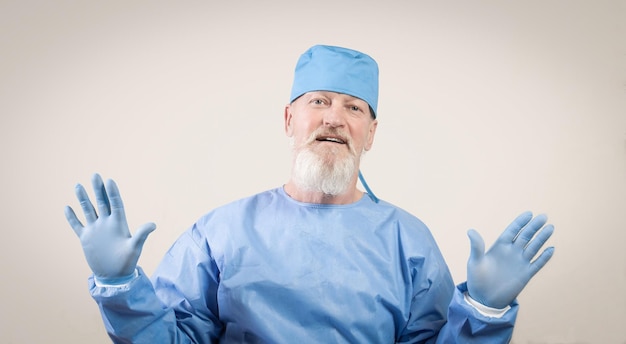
x=323 y=172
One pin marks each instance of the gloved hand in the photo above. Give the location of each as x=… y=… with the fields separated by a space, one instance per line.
x=496 y=278
x=111 y=252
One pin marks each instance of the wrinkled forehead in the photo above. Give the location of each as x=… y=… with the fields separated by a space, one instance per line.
x=336 y=96
x=332 y=95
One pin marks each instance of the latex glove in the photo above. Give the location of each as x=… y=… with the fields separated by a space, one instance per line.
x=497 y=277
x=111 y=252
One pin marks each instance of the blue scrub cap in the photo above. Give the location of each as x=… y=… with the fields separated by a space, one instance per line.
x=337 y=69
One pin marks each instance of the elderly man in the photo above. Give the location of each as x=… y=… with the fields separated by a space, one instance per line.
x=315 y=260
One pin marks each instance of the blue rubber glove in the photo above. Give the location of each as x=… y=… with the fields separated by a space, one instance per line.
x=111 y=252
x=497 y=277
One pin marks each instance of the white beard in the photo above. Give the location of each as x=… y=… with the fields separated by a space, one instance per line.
x=329 y=172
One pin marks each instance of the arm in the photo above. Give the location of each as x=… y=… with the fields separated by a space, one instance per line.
x=131 y=310
x=177 y=305
x=440 y=313
x=495 y=279
x=467 y=325
x=132 y=313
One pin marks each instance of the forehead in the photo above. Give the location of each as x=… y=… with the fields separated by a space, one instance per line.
x=333 y=95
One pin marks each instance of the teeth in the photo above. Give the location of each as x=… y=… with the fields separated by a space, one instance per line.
x=331 y=139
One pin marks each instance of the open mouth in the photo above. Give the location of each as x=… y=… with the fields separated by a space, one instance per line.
x=330 y=139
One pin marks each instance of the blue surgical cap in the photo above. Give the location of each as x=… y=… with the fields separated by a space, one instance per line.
x=337 y=69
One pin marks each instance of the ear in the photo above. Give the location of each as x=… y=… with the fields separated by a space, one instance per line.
x=370 y=135
x=288 y=117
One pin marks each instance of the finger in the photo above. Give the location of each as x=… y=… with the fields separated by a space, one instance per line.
x=104 y=207
x=535 y=244
x=85 y=204
x=529 y=231
x=116 y=204
x=512 y=230
x=541 y=261
x=477 y=245
x=142 y=234
x=73 y=220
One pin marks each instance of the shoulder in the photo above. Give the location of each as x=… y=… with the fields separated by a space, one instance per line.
x=412 y=232
x=228 y=220
x=254 y=202
x=398 y=214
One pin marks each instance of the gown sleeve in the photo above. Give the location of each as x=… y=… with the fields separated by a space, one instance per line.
x=467 y=325
x=439 y=312
x=179 y=305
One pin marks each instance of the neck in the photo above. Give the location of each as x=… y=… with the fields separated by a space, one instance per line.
x=306 y=196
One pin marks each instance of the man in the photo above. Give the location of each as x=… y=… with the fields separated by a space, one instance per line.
x=314 y=261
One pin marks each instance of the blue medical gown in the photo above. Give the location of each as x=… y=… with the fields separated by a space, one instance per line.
x=269 y=269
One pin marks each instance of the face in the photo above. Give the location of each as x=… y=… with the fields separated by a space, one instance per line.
x=329 y=132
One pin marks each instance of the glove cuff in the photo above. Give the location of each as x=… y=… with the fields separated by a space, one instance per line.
x=115 y=282
x=485 y=310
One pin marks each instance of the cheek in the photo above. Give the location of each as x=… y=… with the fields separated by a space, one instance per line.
x=299 y=136
x=364 y=137
x=303 y=129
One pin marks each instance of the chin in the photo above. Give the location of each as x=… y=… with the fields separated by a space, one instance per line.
x=326 y=172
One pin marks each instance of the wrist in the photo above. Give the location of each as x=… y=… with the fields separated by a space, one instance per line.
x=485 y=310
x=115 y=281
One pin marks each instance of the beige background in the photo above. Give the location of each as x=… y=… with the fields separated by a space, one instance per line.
x=486 y=109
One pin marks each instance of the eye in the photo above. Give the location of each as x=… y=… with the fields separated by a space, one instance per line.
x=355 y=109
x=318 y=101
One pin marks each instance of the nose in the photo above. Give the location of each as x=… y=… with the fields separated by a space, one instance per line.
x=334 y=116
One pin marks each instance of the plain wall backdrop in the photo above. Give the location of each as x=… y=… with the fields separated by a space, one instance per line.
x=487 y=109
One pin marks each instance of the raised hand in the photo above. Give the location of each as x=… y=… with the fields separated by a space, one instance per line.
x=497 y=277
x=111 y=252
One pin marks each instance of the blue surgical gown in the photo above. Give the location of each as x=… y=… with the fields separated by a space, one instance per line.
x=269 y=269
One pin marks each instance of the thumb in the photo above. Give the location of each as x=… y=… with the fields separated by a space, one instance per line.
x=477 y=245
x=141 y=234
